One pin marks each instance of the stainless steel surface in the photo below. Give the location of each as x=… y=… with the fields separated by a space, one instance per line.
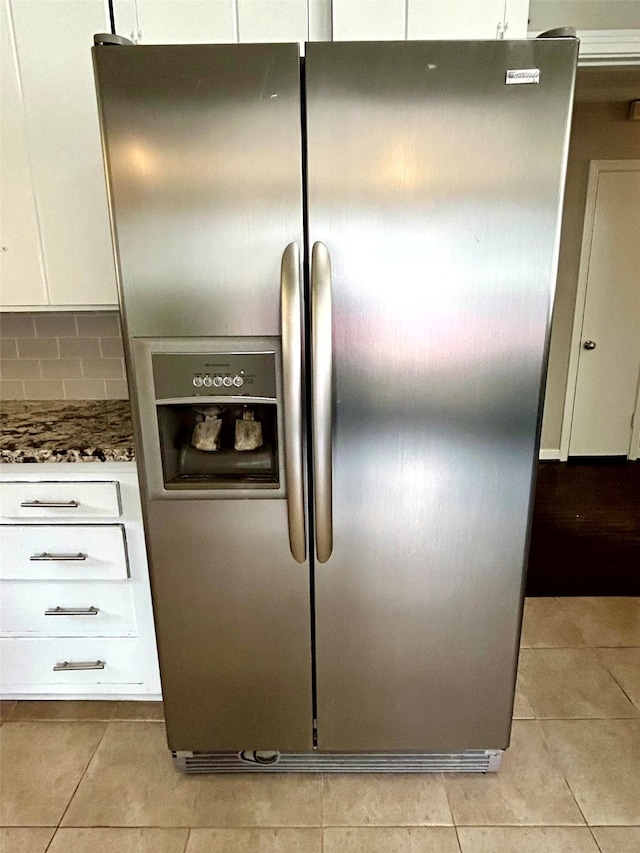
x=292 y=343
x=148 y=449
x=74 y=666
x=72 y=611
x=322 y=399
x=590 y=344
x=203 y=156
x=174 y=375
x=232 y=613
x=58 y=557
x=436 y=189
x=57 y=504
x=477 y=761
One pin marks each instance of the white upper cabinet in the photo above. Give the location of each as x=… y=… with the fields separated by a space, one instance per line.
x=272 y=20
x=53 y=39
x=211 y=21
x=369 y=20
x=516 y=19
x=429 y=19
x=455 y=19
x=21 y=273
x=176 y=21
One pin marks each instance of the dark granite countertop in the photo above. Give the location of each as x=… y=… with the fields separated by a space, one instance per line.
x=61 y=431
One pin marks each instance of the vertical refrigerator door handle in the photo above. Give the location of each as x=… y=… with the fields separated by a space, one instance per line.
x=322 y=397
x=291 y=310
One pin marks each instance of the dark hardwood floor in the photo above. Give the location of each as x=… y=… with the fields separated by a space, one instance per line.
x=586 y=529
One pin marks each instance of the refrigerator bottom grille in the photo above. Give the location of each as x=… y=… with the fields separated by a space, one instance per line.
x=472 y=761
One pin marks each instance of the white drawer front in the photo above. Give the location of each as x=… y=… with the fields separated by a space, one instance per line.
x=63 y=552
x=64 y=500
x=106 y=609
x=28 y=665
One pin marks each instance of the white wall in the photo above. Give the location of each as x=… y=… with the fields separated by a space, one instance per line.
x=584 y=14
x=600 y=131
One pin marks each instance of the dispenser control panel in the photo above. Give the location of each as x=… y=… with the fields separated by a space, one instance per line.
x=236 y=374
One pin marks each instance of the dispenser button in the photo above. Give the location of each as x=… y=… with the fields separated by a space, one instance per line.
x=197 y=381
x=238 y=381
x=227 y=382
x=217 y=381
x=207 y=382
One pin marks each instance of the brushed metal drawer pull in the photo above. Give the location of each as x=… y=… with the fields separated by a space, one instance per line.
x=42 y=504
x=72 y=611
x=69 y=666
x=58 y=557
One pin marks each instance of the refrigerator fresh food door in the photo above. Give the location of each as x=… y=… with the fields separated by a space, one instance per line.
x=434 y=191
x=202 y=145
x=203 y=154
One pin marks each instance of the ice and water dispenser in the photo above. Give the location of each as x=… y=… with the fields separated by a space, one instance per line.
x=216 y=418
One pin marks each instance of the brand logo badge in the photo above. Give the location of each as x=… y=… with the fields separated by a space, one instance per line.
x=522 y=75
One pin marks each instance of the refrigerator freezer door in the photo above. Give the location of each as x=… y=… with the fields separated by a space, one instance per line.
x=232 y=616
x=203 y=155
x=436 y=188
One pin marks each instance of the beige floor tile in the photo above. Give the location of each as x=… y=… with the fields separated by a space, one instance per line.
x=528 y=790
x=6 y=709
x=21 y=840
x=385 y=799
x=119 y=841
x=526 y=839
x=138 y=711
x=63 y=710
x=624 y=665
x=522 y=710
x=419 y=839
x=131 y=781
x=255 y=841
x=570 y=683
x=611 y=621
x=41 y=765
x=546 y=625
x=618 y=839
x=601 y=762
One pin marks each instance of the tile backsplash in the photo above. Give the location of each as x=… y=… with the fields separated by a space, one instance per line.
x=62 y=356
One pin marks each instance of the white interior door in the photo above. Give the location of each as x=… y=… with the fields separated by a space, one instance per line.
x=608 y=347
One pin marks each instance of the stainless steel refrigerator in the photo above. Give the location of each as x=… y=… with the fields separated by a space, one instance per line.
x=336 y=278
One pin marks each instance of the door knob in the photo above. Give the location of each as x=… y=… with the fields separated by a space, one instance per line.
x=589 y=344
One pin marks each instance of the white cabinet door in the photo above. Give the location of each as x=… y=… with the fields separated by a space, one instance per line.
x=21 y=272
x=516 y=19
x=360 y=20
x=455 y=19
x=369 y=20
x=221 y=21
x=53 y=39
x=176 y=21
x=272 y=20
